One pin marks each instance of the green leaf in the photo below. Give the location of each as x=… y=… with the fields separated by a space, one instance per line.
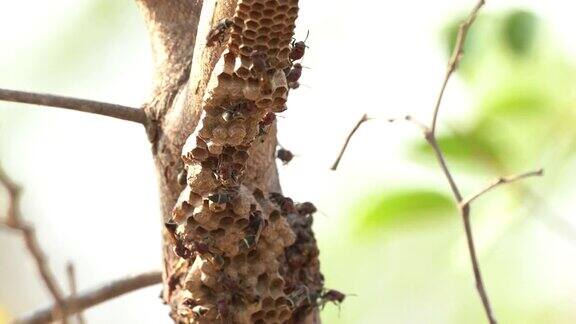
x=404 y=209
x=518 y=100
x=472 y=147
x=519 y=31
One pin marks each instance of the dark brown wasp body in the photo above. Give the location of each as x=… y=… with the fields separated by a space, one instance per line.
x=179 y=248
x=190 y=303
x=254 y=229
x=306 y=208
x=206 y=248
x=236 y=111
x=333 y=296
x=182 y=251
x=295 y=73
x=298 y=49
x=284 y=155
x=230 y=115
x=201 y=247
x=276 y=197
x=286 y=204
x=222 y=197
x=268 y=119
x=294 y=85
x=228 y=176
x=218 y=32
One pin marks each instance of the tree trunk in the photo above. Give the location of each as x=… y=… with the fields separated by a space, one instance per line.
x=235 y=250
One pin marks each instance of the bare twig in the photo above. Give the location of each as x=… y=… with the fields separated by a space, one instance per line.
x=101 y=108
x=92 y=297
x=71 y=271
x=501 y=181
x=360 y=122
x=14 y=221
x=430 y=135
x=455 y=58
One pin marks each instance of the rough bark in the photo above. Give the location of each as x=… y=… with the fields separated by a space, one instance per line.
x=183 y=71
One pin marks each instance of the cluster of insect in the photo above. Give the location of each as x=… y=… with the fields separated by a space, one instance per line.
x=218 y=34
x=298 y=297
x=297 y=52
x=301 y=296
x=237 y=293
x=227 y=167
x=293 y=74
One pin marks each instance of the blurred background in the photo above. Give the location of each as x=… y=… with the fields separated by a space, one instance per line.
x=388 y=231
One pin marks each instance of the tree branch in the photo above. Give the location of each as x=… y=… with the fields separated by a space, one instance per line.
x=360 y=122
x=13 y=220
x=71 y=272
x=90 y=298
x=498 y=182
x=430 y=136
x=95 y=107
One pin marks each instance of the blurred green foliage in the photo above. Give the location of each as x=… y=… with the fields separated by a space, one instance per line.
x=519 y=31
x=513 y=99
x=521 y=86
x=403 y=209
x=471 y=148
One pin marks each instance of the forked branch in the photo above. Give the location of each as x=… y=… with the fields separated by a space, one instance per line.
x=430 y=136
x=95 y=107
x=92 y=297
x=13 y=220
x=500 y=181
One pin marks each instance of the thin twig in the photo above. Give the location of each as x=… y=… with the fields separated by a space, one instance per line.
x=360 y=122
x=71 y=272
x=101 y=108
x=13 y=220
x=455 y=58
x=93 y=297
x=501 y=181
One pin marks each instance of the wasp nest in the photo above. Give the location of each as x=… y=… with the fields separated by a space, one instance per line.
x=236 y=242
